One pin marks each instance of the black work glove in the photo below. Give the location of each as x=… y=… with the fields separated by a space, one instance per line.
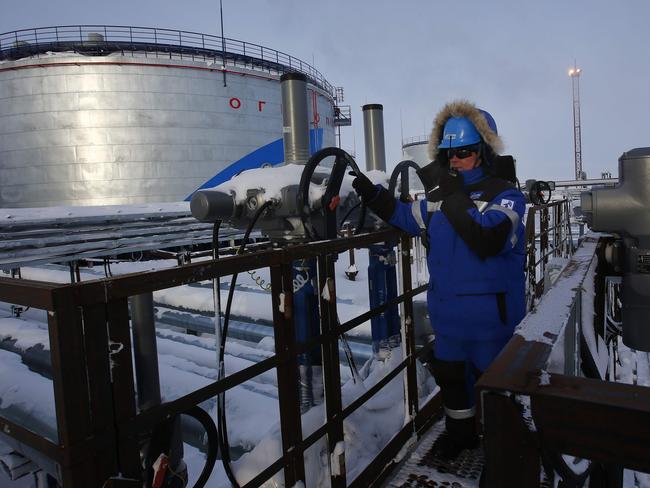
x=451 y=182
x=455 y=201
x=364 y=187
x=378 y=200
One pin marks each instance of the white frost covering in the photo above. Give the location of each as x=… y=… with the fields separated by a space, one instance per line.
x=73 y=213
x=554 y=308
x=595 y=343
x=544 y=378
x=273 y=179
x=335 y=461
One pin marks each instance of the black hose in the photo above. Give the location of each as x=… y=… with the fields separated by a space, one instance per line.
x=222 y=429
x=206 y=421
x=347 y=214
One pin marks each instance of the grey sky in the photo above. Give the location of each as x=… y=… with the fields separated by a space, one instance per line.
x=509 y=57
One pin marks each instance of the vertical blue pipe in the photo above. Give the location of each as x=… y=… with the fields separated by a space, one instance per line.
x=382 y=287
x=306 y=313
x=305 y=302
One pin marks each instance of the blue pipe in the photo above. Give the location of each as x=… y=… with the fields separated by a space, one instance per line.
x=382 y=287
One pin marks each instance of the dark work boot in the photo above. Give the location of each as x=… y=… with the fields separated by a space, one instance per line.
x=447 y=447
x=459 y=435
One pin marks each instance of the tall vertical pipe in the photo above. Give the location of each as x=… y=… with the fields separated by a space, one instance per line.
x=145 y=351
x=295 y=123
x=373 y=130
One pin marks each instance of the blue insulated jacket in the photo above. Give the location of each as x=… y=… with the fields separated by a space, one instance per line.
x=476 y=258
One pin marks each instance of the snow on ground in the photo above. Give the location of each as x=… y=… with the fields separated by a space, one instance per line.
x=27 y=333
x=366 y=431
x=26 y=398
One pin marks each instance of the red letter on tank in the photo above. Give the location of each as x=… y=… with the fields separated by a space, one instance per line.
x=260 y=104
x=235 y=103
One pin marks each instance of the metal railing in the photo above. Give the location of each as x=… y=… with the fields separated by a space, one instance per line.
x=102 y=39
x=542 y=399
x=415 y=140
x=548 y=235
x=99 y=427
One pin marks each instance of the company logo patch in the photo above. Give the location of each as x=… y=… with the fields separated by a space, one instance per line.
x=507 y=203
x=475 y=194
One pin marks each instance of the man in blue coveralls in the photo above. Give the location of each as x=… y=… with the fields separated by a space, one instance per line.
x=473 y=224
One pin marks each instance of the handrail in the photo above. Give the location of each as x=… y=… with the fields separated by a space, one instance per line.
x=539 y=398
x=103 y=38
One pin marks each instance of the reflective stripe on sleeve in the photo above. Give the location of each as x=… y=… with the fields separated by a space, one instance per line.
x=480 y=205
x=433 y=206
x=417 y=213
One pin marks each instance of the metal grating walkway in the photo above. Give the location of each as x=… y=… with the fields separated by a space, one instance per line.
x=424 y=469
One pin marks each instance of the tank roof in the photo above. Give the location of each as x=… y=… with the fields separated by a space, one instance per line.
x=101 y=40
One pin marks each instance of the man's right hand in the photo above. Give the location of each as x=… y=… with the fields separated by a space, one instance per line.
x=376 y=198
x=364 y=187
x=451 y=181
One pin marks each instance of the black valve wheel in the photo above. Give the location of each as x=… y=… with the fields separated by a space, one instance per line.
x=540 y=193
x=341 y=162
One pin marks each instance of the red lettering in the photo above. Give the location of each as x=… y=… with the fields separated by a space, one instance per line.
x=235 y=103
x=260 y=104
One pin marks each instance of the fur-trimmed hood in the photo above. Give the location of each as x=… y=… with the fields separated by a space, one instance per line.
x=462 y=108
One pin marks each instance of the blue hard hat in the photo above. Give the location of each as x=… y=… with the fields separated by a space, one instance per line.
x=459 y=132
x=490 y=120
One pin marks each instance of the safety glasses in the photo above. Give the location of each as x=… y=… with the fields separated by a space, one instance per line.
x=462 y=152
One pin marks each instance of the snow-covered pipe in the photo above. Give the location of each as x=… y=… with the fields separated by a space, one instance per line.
x=245 y=331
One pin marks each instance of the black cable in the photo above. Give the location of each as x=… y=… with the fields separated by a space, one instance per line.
x=347 y=214
x=222 y=430
x=107 y=268
x=348 y=355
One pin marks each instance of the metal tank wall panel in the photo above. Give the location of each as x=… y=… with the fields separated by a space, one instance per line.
x=79 y=130
x=417 y=151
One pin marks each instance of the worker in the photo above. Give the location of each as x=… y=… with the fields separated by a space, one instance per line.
x=473 y=224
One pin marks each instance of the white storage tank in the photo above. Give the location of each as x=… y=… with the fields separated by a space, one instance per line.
x=94 y=115
x=417 y=149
